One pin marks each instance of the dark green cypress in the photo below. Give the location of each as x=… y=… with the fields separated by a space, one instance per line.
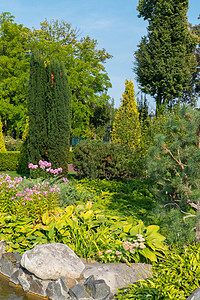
x=49 y=110
x=58 y=116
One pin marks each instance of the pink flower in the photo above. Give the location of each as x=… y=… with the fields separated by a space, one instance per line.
x=42 y=167
x=65 y=180
x=108 y=251
x=48 y=165
x=60 y=170
x=30 y=166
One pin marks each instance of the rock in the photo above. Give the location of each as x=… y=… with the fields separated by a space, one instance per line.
x=98 y=288
x=8 y=264
x=2 y=247
x=195 y=295
x=78 y=292
x=52 y=261
x=57 y=290
x=117 y=275
x=31 y=283
x=14 y=277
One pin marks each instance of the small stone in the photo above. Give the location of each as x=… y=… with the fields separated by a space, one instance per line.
x=78 y=292
x=7 y=267
x=14 y=277
x=91 y=277
x=99 y=289
x=2 y=247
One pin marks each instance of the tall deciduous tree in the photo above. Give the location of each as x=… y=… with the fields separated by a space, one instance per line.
x=164 y=61
x=126 y=126
x=84 y=62
x=49 y=110
x=14 y=64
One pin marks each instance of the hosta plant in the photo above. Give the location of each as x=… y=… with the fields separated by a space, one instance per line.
x=91 y=234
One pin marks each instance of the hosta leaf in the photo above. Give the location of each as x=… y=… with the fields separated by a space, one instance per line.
x=148 y=254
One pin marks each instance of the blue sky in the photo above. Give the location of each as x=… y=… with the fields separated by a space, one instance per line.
x=113 y=23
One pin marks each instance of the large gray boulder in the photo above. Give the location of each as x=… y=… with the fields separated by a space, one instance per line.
x=52 y=261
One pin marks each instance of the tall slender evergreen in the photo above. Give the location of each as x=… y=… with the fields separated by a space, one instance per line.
x=49 y=110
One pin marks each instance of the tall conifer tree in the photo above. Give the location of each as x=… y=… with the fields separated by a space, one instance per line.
x=165 y=61
x=126 y=127
x=49 y=110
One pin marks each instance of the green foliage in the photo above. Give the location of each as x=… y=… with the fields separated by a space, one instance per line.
x=176 y=277
x=178 y=231
x=70 y=158
x=23 y=160
x=129 y=199
x=98 y=159
x=2 y=144
x=12 y=144
x=24 y=155
x=174 y=161
x=91 y=234
x=49 y=109
x=83 y=60
x=9 y=160
x=126 y=127
x=165 y=61
x=14 y=65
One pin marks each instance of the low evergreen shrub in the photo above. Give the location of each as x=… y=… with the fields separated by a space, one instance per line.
x=98 y=159
x=9 y=160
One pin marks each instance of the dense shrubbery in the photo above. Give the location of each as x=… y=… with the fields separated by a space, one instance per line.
x=9 y=160
x=98 y=159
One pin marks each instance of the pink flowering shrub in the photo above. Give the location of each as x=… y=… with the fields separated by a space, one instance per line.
x=34 y=200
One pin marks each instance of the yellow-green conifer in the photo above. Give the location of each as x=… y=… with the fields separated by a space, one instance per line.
x=2 y=144
x=126 y=128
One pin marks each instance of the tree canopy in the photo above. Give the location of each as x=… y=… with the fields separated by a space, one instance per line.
x=165 y=61
x=84 y=62
x=14 y=73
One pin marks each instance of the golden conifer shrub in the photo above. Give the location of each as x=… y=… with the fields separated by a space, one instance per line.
x=126 y=128
x=2 y=144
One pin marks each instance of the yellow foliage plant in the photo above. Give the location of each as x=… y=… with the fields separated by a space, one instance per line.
x=126 y=128
x=2 y=144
